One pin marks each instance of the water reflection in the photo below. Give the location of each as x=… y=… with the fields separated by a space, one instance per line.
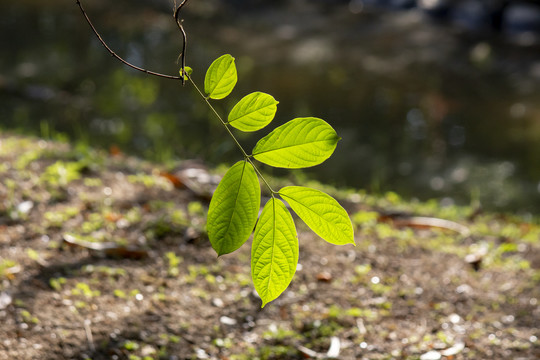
x=422 y=111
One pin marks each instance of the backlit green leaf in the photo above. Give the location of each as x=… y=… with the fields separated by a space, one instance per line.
x=234 y=208
x=188 y=71
x=253 y=112
x=299 y=143
x=321 y=212
x=221 y=77
x=274 y=253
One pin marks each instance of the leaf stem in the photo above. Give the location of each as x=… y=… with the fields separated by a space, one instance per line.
x=262 y=177
x=225 y=124
x=218 y=116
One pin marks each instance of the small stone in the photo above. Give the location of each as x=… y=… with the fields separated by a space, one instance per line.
x=201 y=354
x=25 y=207
x=464 y=289
x=454 y=350
x=5 y=300
x=225 y=320
x=217 y=302
x=454 y=318
x=324 y=276
x=431 y=355
x=148 y=350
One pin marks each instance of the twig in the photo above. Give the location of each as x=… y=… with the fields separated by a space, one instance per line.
x=89 y=336
x=424 y=222
x=429 y=222
x=126 y=62
x=108 y=248
x=361 y=327
x=184 y=40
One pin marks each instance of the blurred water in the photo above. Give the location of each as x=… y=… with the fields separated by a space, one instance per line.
x=423 y=110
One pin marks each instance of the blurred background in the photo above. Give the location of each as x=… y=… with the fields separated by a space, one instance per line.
x=433 y=99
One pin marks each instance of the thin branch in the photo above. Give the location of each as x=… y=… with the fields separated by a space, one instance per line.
x=183 y=77
x=122 y=60
x=184 y=39
x=89 y=336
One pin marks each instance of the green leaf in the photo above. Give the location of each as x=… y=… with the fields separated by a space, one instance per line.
x=221 y=77
x=299 y=143
x=321 y=212
x=234 y=208
x=274 y=253
x=253 y=112
x=188 y=71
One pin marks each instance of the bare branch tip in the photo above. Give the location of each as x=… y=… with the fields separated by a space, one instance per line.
x=113 y=54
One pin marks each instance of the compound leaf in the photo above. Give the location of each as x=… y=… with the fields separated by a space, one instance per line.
x=221 y=77
x=274 y=253
x=253 y=112
x=299 y=143
x=234 y=208
x=321 y=212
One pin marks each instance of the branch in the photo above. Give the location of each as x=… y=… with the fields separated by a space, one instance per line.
x=124 y=61
x=184 y=39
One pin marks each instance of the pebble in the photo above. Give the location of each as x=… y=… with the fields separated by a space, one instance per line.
x=201 y=354
x=217 y=302
x=225 y=320
x=431 y=355
x=454 y=350
x=5 y=300
x=25 y=207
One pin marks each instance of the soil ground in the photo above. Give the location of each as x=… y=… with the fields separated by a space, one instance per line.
x=103 y=256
